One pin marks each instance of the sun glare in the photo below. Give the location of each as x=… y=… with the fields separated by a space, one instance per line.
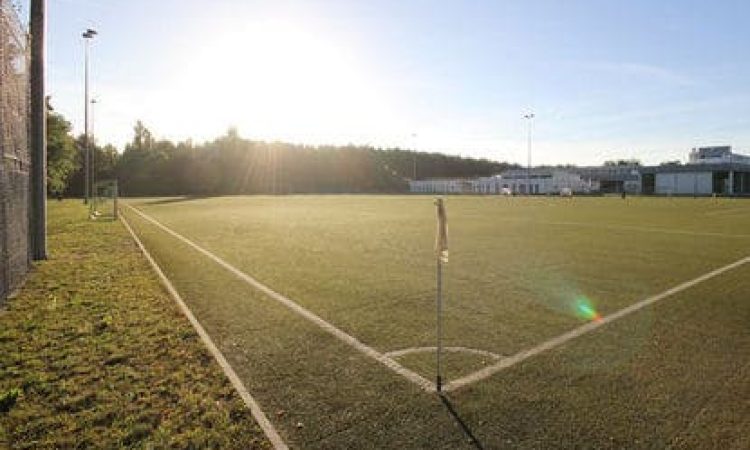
x=278 y=81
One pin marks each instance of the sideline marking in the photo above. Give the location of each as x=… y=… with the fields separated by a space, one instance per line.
x=653 y=230
x=473 y=351
x=627 y=228
x=584 y=329
x=728 y=211
x=250 y=402
x=387 y=361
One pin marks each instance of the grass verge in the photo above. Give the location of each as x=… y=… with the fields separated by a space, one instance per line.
x=93 y=353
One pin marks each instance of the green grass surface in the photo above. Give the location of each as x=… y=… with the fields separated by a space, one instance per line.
x=94 y=354
x=517 y=269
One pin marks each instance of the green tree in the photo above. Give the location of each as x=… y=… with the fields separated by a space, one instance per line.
x=61 y=153
x=142 y=139
x=231 y=164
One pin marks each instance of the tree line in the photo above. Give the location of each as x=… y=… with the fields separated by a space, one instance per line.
x=231 y=164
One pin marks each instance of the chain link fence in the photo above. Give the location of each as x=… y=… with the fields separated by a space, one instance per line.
x=14 y=150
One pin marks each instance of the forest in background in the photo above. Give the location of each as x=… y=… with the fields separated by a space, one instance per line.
x=231 y=164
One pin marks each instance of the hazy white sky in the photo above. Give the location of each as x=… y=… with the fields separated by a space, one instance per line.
x=606 y=79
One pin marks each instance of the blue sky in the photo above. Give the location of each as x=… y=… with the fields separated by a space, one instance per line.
x=605 y=79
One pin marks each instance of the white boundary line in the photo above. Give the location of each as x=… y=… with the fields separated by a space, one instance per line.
x=585 y=329
x=628 y=228
x=255 y=410
x=651 y=229
x=728 y=211
x=387 y=361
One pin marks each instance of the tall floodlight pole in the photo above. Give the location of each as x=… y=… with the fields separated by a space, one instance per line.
x=87 y=36
x=38 y=133
x=93 y=102
x=529 y=119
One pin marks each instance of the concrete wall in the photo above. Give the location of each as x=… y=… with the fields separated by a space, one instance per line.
x=684 y=183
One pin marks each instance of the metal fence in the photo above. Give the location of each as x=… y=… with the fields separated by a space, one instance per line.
x=14 y=150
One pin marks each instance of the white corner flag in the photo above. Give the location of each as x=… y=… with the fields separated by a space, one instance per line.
x=441 y=238
x=441 y=252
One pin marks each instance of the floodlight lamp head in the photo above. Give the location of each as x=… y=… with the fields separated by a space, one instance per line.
x=89 y=33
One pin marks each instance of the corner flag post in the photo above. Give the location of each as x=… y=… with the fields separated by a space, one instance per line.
x=441 y=249
x=439 y=333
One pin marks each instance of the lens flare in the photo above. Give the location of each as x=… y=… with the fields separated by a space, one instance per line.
x=585 y=310
x=560 y=293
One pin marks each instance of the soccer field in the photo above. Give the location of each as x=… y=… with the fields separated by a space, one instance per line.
x=568 y=322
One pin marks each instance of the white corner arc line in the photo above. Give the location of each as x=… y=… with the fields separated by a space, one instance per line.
x=584 y=329
x=390 y=363
x=472 y=351
x=260 y=417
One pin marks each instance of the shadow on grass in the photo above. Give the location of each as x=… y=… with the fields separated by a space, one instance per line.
x=464 y=427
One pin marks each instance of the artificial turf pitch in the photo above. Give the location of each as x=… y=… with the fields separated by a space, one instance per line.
x=521 y=271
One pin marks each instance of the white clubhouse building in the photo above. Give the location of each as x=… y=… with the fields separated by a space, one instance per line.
x=709 y=171
x=536 y=181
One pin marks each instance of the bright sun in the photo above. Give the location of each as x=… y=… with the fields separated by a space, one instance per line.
x=277 y=81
